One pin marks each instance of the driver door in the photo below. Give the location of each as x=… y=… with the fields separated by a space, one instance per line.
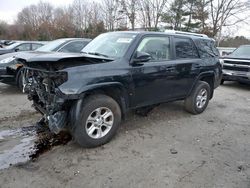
x=153 y=80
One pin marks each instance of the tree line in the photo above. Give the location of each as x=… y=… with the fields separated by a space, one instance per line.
x=85 y=18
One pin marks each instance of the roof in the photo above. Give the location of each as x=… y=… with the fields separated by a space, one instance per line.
x=86 y=39
x=186 y=34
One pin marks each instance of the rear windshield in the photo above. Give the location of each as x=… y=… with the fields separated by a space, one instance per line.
x=51 y=46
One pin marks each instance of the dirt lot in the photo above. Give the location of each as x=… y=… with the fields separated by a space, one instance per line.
x=169 y=148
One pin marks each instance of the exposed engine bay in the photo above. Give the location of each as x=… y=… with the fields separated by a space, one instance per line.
x=41 y=87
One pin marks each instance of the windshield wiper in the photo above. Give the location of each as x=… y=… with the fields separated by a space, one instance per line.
x=98 y=54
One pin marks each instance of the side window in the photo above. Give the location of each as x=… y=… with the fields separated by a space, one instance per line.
x=207 y=48
x=185 y=48
x=23 y=47
x=76 y=46
x=35 y=46
x=157 y=47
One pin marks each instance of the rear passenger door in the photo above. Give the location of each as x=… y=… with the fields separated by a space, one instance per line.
x=186 y=66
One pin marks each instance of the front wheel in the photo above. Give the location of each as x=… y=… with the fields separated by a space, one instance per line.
x=19 y=79
x=98 y=122
x=197 y=102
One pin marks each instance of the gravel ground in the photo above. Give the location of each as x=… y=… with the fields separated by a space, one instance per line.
x=169 y=148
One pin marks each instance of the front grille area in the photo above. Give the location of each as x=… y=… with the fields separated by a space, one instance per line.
x=237 y=62
x=244 y=69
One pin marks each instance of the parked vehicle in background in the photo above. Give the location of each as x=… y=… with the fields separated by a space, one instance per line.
x=236 y=66
x=89 y=94
x=224 y=51
x=4 y=43
x=10 y=69
x=21 y=46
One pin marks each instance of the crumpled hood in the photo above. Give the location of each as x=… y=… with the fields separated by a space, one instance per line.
x=37 y=56
x=58 y=60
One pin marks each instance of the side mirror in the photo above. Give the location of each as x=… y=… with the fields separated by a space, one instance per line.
x=17 y=49
x=141 y=57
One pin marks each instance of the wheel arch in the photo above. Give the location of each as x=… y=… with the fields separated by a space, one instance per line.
x=114 y=90
x=206 y=77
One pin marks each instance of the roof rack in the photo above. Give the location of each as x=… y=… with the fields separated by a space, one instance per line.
x=185 y=33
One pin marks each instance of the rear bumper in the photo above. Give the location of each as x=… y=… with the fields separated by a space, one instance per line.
x=236 y=76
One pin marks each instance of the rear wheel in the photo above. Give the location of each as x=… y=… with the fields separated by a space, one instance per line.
x=197 y=102
x=98 y=122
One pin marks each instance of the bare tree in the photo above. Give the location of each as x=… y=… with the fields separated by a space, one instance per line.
x=111 y=10
x=37 y=20
x=151 y=11
x=63 y=23
x=80 y=12
x=130 y=8
x=222 y=11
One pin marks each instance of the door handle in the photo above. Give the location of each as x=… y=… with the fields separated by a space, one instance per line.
x=197 y=66
x=170 y=69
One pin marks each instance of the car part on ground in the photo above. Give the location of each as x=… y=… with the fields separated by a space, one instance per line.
x=88 y=94
x=236 y=66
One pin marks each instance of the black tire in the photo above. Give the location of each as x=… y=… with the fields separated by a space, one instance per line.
x=19 y=81
x=191 y=101
x=89 y=105
x=222 y=81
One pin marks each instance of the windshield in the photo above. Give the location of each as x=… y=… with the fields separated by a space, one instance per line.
x=12 y=45
x=112 y=45
x=51 y=46
x=242 y=51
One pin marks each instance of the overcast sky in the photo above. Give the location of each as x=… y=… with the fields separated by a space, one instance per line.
x=10 y=8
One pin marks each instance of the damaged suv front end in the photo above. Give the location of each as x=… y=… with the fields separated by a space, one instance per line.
x=55 y=81
x=42 y=87
x=47 y=85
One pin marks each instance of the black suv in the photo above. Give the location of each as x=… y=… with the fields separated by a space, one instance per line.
x=89 y=94
x=236 y=66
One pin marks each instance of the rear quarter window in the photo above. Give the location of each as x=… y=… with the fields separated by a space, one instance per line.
x=185 y=48
x=207 y=48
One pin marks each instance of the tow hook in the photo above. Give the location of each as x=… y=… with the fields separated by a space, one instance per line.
x=57 y=121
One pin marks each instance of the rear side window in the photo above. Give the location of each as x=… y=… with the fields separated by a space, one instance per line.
x=35 y=46
x=76 y=46
x=185 y=48
x=157 y=47
x=23 y=47
x=207 y=48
